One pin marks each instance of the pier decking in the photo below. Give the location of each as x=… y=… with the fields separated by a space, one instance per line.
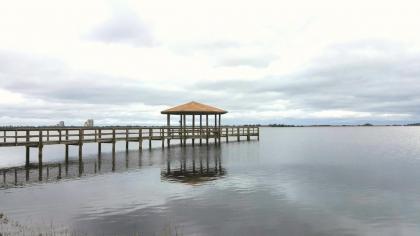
x=36 y=137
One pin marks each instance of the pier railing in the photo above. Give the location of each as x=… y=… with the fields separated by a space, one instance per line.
x=34 y=137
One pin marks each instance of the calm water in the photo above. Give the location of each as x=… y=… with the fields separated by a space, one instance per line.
x=294 y=181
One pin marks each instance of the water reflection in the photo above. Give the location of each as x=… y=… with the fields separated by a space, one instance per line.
x=200 y=167
x=180 y=164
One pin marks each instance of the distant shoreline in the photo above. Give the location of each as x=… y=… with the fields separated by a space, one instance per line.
x=259 y=125
x=363 y=125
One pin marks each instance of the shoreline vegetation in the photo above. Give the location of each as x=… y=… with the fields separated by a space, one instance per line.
x=11 y=227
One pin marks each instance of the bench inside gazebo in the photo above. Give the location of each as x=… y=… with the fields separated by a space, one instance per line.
x=195 y=110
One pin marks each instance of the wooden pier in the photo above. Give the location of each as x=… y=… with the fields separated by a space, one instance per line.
x=38 y=137
x=77 y=136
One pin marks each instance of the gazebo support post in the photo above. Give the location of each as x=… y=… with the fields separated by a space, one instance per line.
x=207 y=129
x=185 y=130
x=180 y=129
x=220 y=129
x=201 y=130
x=193 y=130
x=215 y=129
x=168 y=124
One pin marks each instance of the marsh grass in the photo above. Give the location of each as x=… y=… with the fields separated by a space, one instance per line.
x=9 y=227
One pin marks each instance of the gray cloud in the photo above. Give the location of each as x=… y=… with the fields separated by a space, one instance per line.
x=252 y=62
x=386 y=82
x=123 y=27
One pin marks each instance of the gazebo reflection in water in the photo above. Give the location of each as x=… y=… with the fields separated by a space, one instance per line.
x=196 y=165
x=182 y=164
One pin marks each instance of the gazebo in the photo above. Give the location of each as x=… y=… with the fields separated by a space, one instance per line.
x=195 y=109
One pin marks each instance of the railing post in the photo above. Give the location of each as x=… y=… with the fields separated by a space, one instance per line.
x=113 y=141
x=81 y=133
x=27 y=149
x=227 y=135
x=150 y=138
x=126 y=140
x=237 y=134
x=162 y=135
x=67 y=148
x=140 y=138
x=258 y=130
x=40 y=146
x=59 y=171
x=99 y=142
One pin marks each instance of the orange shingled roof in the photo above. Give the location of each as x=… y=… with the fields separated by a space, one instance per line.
x=193 y=108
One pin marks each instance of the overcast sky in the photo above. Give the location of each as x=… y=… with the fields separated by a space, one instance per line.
x=293 y=62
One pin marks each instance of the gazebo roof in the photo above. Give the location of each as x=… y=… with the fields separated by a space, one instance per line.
x=193 y=108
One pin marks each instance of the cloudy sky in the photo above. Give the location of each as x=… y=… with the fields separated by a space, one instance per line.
x=279 y=61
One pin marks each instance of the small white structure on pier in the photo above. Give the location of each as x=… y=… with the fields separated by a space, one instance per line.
x=89 y=123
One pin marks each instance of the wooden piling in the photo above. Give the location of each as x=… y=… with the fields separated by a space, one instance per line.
x=113 y=141
x=140 y=139
x=15 y=176
x=227 y=135
x=59 y=171
x=40 y=147
x=237 y=133
x=168 y=124
x=80 y=145
x=126 y=140
x=40 y=165
x=99 y=142
x=27 y=159
x=258 y=135
x=66 y=154
x=150 y=138
x=80 y=152
x=162 y=137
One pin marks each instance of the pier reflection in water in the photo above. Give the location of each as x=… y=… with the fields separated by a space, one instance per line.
x=201 y=167
x=181 y=164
